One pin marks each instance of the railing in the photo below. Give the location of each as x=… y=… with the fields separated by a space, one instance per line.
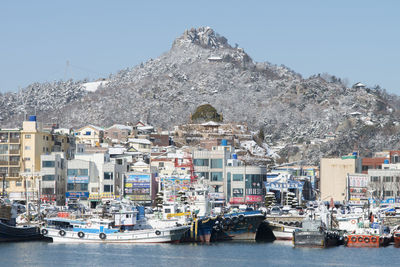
x=15 y=163
x=13 y=175
x=14 y=152
x=15 y=140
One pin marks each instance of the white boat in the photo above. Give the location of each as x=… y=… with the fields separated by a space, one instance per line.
x=104 y=231
x=282 y=232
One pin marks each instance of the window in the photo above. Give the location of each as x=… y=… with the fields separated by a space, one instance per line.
x=108 y=176
x=161 y=164
x=237 y=192
x=201 y=162
x=397 y=179
x=18 y=183
x=77 y=172
x=387 y=193
x=4 y=149
x=202 y=174
x=48 y=177
x=70 y=187
x=47 y=191
x=27 y=136
x=27 y=148
x=108 y=188
x=119 y=161
x=27 y=158
x=365 y=168
x=48 y=164
x=27 y=170
x=375 y=179
x=387 y=179
x=216 y=163
x=216 y=176
x=84 y=187
x=237 y=177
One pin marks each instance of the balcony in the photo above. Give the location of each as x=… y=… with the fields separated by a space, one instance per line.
x=2 y=162
x=13 y=175
x=14 y=163
x=15 y=140
x=14 y=152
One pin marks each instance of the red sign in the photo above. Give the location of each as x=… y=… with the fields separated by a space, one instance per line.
x=254 y=199
x=236 y=200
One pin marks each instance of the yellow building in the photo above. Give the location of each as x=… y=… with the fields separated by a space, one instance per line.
x=10 y=159
x=89 y=135
x=334 y=175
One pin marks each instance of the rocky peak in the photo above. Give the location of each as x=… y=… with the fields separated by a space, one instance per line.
x=202 y=36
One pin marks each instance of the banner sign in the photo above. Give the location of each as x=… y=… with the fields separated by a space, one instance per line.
x=290 y=184
x=77 y=194
x=137 y=186
x=254 y=198
x=78 y=179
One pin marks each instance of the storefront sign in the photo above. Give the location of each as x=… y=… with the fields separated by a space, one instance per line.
x=254 y=198
x=77 y=194
x=78 y=179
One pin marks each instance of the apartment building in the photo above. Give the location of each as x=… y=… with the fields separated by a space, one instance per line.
x=53 y=173
x=10 y=162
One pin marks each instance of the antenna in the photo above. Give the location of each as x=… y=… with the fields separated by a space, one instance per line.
x=66 y=70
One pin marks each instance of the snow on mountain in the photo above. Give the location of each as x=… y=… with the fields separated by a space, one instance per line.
x=93 y=86
x=313 y=117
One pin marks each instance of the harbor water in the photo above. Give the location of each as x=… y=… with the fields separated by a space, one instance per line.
x=171 y=255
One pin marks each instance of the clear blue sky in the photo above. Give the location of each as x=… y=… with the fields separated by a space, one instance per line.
x=357 y=40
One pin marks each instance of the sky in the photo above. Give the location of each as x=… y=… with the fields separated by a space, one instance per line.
x=45 y=41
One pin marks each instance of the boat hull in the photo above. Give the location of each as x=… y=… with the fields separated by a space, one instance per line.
x=314 y=239
x=365 y=240
x=14 y=234
x=138 y=236
x=242 y=226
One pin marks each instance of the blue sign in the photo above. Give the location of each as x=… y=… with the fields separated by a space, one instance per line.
x=288 y=185
x=78 y=179
x=77 y=194
x=388 y=201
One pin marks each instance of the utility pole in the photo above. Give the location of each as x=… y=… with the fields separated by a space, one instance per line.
x=4 y=185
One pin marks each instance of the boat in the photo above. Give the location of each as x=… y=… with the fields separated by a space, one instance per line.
x=281 y=231
x=10 y=232
x=367 y=234
x=238 y=226
x=396 y=236
x=315 y=234
x=63 y=230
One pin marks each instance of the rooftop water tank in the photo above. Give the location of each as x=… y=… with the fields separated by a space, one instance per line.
x=224 y=142
x=386 y=161
x=234 y=156
x=32 y=118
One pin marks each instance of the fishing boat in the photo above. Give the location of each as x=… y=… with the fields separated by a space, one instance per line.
x=10 y=232
x=105 y=231
x=396 y=236
x=238 y=226
x=315 y=234
x=281 y=231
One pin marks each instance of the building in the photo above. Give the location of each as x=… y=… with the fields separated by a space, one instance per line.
x=90 y=135
x=385 y=183
x=140 y=144
x=232 y=181
x=10 y=162
x=333 y=179
x=82 y=179
x=118 y=133
x=53 y=173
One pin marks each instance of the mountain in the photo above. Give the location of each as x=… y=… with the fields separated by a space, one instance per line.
x=304 y=118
